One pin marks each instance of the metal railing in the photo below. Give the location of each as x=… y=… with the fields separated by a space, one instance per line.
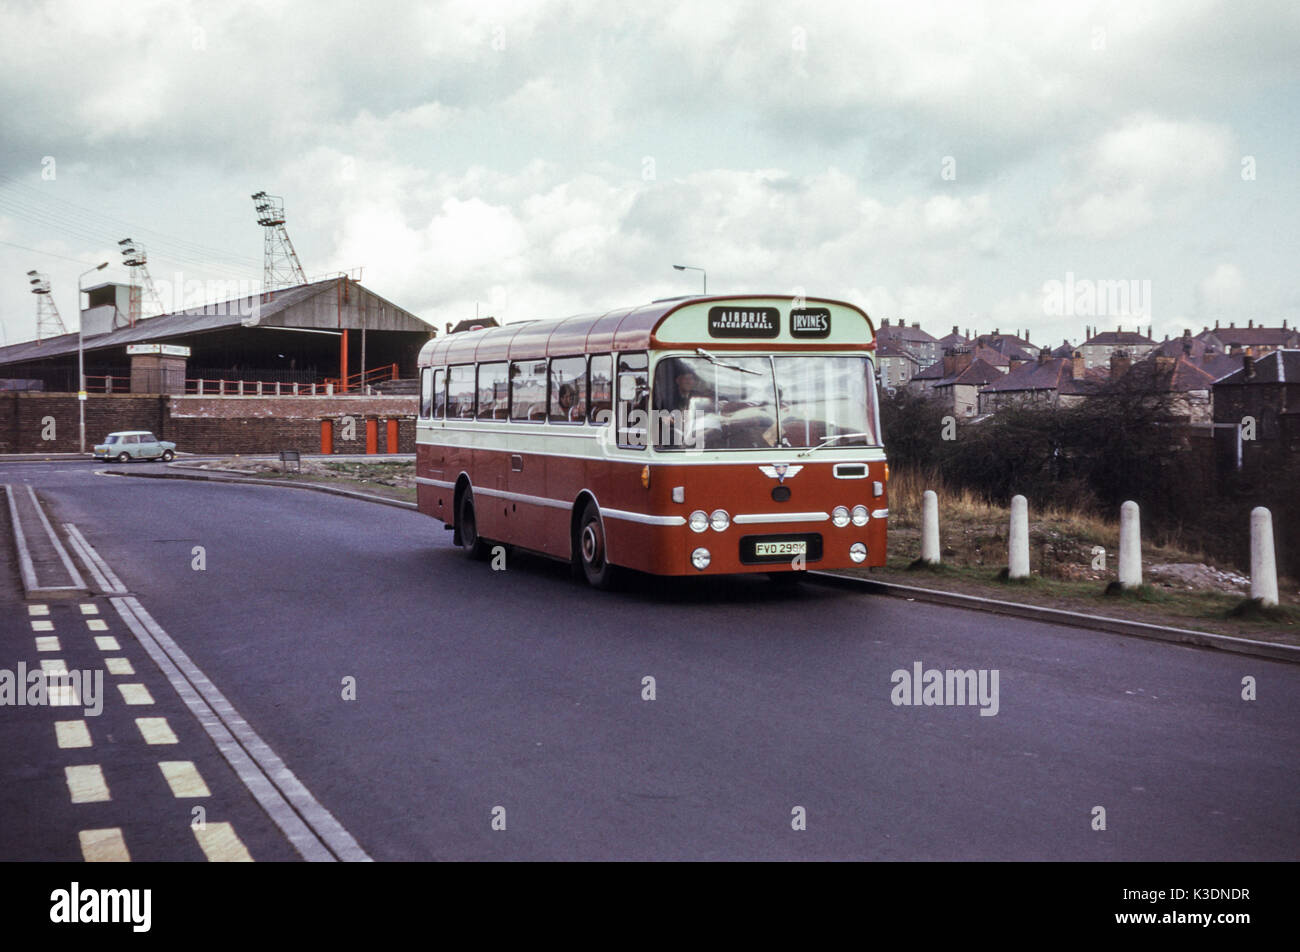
x=208 y=387
x=364 y=378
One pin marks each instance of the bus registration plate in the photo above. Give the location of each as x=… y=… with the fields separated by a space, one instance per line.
x=769 y=549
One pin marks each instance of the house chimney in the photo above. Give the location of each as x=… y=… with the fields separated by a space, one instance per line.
x=885 y=322
x=1119 y=364
x=949 y=363
x=1216 y=323
x=1250 y=323
x=1248 y=364
x=1077 y=365
x=1231 y=324
x=954 y=331
x=962 y=359
x=917 y=325
x=1165 y=365
x=1043 y=356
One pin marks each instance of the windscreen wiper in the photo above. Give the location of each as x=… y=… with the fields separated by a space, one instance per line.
x=719 y=363
x=831 y=439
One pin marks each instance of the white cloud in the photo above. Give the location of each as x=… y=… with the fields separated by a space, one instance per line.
x=1141 y=171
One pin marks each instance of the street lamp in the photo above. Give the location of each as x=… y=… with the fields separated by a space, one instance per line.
x=687 y=267
x=81 y=360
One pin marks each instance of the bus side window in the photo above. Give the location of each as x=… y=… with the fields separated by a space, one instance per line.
x=633 y=400
x=568 y=390
x=493 y=391
x=426 y=392
x=528 y=390
x=601 y=390
x=439 y=393
x=460 y=392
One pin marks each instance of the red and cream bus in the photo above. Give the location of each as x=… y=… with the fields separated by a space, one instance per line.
x=700 y=435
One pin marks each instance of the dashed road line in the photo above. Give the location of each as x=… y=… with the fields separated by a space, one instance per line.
x=96 y=624
x=220 y=844
x=135 y=693
x=39 y=624
x=103 y=846
x=107 y=643
x=155 y=730
x=72 y=734
x=89 y=608
x=38 y=609
x=312 y=829
x=48 y=643
x=184 y=778
x=86 y=784
x=118 y=666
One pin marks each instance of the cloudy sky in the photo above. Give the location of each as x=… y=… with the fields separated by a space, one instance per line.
x=941 y=163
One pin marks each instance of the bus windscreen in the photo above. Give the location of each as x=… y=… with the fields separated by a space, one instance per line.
x=734 y=404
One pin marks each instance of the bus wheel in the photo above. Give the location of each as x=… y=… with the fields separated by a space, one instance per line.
x=590 y=550
x=467 y=528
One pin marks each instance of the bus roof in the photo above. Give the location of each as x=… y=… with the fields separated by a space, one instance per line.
x=639 y=328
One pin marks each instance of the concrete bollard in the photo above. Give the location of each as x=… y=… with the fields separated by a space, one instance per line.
x=1263 y=566
x=1018 y=563
x=930 y=528
x=1130 y=546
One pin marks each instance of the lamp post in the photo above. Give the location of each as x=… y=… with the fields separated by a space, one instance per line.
x=81 y=360
x=687 y=267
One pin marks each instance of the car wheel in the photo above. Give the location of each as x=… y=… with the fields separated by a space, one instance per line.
x=590 y=550
x=467 y=528
x=124 y=457
x=168 y=456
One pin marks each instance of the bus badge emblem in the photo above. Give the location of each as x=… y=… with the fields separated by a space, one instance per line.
x=780 y=471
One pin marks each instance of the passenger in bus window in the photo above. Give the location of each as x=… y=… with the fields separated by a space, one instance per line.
x=688 y=386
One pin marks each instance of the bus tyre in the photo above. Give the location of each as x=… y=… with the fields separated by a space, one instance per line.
x=467 y=528
x=589 y=552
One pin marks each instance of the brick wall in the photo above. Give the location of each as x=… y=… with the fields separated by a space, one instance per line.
x=201 y=424
x=25 y=420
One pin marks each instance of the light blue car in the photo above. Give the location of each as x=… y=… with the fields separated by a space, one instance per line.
x=135 y=444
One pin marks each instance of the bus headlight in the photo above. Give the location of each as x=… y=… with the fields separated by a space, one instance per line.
x=860 y=515
x=700 y=558
x=699 y=520
x=858 y=552
x=719 y=520
x=840 y=517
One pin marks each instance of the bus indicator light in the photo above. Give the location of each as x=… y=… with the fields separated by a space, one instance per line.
x=645 y=476
x=679 y=494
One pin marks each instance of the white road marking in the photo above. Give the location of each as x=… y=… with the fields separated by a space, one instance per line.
x=155 y=730
x=135 y=694
x=86 y=784
x=104 y=575
x=220 y=844
x=103 y=846
x=71 y=734
x=312 y=829
x=184 y=778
